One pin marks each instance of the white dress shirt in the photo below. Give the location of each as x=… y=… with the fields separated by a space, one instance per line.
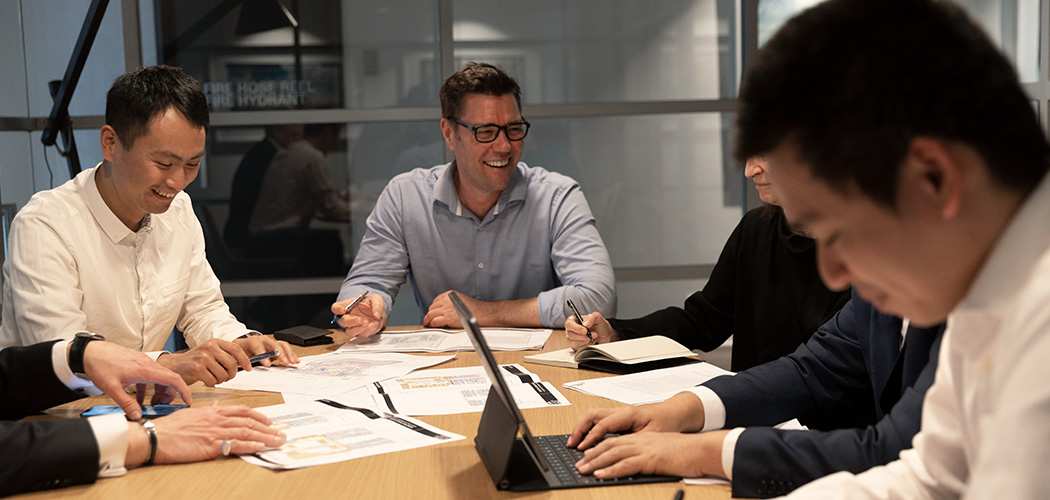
x=986 y=419
x=111 y=431
x=74 y=266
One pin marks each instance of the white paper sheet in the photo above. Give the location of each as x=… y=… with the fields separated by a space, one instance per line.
x=648 y=387
x=460 y=390
x=320 y=433
x=331 y=374
x=437 y=340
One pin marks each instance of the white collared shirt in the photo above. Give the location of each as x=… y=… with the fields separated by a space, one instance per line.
x=74 y=266
x=111 y=431
x=986 y=419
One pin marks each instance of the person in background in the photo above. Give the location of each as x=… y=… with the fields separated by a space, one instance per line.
x=513 y=241
x=764 y=291
x=46 y=454
x=117 y=249
x=295 y=191
x=248 y=179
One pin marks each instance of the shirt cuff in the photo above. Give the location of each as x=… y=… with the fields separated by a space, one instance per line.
x=729 y=451
x=156 y=354
x=60 y=364
x=714 y=409
x=111 y=434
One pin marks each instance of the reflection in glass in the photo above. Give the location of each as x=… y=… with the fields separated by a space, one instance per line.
x=256 y=55
x=656 y=184
x=617 y=50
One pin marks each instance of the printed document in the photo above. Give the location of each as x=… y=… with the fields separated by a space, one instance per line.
x=437 y=340
x=330 y=374
x=326 y=431
x=446 y=391
x=651 y=386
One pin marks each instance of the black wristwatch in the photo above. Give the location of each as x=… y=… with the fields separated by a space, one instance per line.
x=76 y=352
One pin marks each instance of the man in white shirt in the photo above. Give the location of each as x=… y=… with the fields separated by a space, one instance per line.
x=899 y=138
x=118 y=251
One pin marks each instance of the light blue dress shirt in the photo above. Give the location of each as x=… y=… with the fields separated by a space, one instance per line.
x=539 y=240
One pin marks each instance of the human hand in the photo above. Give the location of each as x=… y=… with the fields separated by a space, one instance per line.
x=365 y=319
x=681 y=413
x=671 y=453
x=196 y=434
x=442 y=314
x=112 y=368
x=212 y=362
x=599 y=327
x=258 y=344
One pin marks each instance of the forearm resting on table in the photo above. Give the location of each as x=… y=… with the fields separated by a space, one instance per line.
x=508 y=313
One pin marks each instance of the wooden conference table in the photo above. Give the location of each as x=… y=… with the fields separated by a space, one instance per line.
x=445 y=471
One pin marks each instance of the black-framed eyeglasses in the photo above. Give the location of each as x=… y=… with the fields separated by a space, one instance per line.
x=490 y=131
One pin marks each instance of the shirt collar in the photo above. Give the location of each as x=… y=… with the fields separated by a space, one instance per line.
x=106 y=219
x=1004 y=273
x=445 y=190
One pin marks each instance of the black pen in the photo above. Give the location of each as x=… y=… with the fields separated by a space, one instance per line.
x=579 y=319
x=680 y=495
x=335 y=319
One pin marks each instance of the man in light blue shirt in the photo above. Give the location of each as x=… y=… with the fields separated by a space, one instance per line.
x=513 y=241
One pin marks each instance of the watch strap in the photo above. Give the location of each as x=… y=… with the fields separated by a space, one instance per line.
x=76 y=352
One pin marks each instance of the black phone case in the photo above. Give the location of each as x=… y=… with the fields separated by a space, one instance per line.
x=304 y=335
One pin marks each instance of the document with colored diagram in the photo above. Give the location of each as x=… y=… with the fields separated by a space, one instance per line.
x=446 y=391
x=327 y=431
x=437 y=340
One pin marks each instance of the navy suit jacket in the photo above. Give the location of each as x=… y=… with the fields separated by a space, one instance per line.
x=40 y=454
x=852 y=367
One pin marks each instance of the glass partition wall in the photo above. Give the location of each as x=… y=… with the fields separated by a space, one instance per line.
x=633 y=99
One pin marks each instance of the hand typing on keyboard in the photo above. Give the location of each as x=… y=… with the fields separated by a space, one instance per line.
x=671 y=453
x=663 y=440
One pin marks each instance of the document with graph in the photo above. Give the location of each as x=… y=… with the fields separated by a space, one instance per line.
x=331 y=374
x=446 y=391
x=438 y=340
x=327 y=431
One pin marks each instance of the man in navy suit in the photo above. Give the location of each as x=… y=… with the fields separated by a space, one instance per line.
x=46 y=454
x=853 y=370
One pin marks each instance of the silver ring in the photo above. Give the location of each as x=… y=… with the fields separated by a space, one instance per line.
x=226 y=445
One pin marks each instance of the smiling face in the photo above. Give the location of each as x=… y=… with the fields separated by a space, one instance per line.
x=755 y=169
x=913 y=260
x=145 y=178
x=483 y=169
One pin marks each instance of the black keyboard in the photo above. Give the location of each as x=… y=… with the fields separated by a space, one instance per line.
x=563 y=459
x=563 y=463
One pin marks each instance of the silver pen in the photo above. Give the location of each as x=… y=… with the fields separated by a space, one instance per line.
x=335 y=319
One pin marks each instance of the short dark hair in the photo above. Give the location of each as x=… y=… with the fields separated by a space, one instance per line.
x=479 y=78
x=315 y=129
x=141 y=94
x=851 y=83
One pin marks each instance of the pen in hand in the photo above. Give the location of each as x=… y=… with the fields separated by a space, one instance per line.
x=335 y=319
x=579 y=319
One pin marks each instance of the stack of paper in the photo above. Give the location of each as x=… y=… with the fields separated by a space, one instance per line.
x=460 y=390
x=330 y=374
x=436 y=340
x=651 y=386
x=324 y=432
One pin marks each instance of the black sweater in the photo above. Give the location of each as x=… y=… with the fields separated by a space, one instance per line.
x=764 y=290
